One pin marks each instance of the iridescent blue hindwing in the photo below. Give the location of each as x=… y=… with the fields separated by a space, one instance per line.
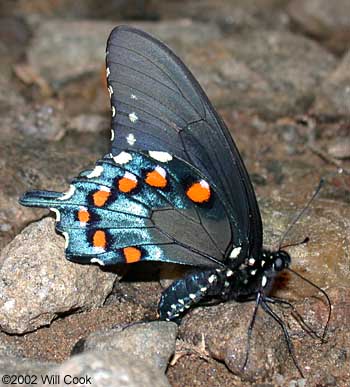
x=137 y=207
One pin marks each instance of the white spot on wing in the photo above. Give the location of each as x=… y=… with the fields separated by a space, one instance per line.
x=66 y=237
x=131 y=139
x=104 y=188
x=130 y=176
x=161 y=171
x=212 y=278
x=96 y=260
x=57 y=213
x=122 y=158
x=192 y=296
x=97 y=171
x=110 y=90
x=204 y=184
x=112 y=134
x=107 y=72
x=133 y=117
x=133 y=96
x=235 y=252
x=203 y=290
x=67 y=195
x=264 y=281
x=229 y=273
x=113 y=111
x=98 y=250
x=161 y=156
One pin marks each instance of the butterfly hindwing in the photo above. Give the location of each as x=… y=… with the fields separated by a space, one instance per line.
x=158 y=105
x=136 y=207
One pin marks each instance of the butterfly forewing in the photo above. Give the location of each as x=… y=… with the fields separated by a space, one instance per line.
x=158 y=105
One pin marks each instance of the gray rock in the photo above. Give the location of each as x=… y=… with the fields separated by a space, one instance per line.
x=334 y=95
x=34 y=369
x=152 y=342
x=37 y=283
x=89 y=123
x=62 y=51
x=231 y=16
x=327 y=20
x=268 y=72
x=225 y=339
x=42 y=122
x=110 y=369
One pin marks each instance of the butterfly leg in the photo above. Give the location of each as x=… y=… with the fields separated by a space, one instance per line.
x=184 y=293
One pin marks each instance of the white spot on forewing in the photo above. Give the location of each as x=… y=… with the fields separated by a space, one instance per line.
x=104 y=188
x=204 y=184
x=97 y=171
x=264 y=281
x=57 y=213
x=235 y=252
x=96 y=260
x=110 y=90
x=122 y=158
x=192 y=296
x=161 y=171
x=133 y=117
x=107 y=72
x=203 y=290
x=133 y=96
x=130 y=176
x=112 y=134
x=66 y=237
x=181 y=301
x=67 y=195
x=131 y=139
x=212 y=278
x=113 y=111
x=253 y=272
x=161 y=156
x=229 y=273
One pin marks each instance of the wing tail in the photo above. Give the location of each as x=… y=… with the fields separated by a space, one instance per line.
x=37 y=198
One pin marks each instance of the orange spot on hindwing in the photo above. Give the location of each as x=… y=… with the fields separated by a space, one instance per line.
x=83 y=215
x=199 y=192
x=100 y=197
x=132 y=254
x=99 y=239
x=127 y=183
x=157 y=178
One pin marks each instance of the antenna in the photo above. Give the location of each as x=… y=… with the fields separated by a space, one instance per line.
x=301 y=213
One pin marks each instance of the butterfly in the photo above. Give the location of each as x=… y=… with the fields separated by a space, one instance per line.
x=172 y=189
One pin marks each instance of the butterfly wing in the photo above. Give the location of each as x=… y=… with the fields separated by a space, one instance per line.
x=158 y=105
x=135 y=207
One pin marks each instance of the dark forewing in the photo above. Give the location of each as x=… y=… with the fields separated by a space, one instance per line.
x=158 y=105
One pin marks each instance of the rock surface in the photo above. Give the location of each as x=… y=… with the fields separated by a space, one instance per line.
x=34 y=272
x=109 y=369
x=153 y=342
x=334 y=95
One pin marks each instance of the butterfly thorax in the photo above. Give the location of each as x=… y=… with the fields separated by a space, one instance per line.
x=256 y=275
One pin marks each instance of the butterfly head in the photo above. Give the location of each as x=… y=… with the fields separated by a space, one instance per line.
x=280 y=260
